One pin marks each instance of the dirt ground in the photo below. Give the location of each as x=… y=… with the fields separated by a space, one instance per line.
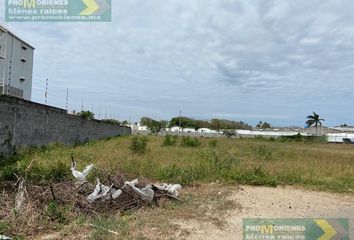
x=280 y=202
x=215 y=211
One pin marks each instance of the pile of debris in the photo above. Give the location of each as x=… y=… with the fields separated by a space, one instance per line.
x=114 y=193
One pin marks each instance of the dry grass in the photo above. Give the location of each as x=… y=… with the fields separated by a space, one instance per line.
x=247 y=161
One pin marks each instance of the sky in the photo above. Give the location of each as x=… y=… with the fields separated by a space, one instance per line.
x=270 y=60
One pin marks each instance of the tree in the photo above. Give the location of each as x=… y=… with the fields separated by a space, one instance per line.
x=146 y=121
x=86 y=115
x=125 y=122
x=263 y=125
x=314 y=120
x=156 y=127
x=184 y=121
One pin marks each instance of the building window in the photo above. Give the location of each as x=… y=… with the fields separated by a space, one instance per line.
x=23 y=60
x=22 y=79
x=24 y=47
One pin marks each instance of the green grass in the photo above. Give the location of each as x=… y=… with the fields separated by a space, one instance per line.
x=268 y=162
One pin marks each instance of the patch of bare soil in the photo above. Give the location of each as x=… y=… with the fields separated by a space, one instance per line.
x=264 y=202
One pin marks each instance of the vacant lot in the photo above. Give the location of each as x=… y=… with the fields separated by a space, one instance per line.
x=212 y=169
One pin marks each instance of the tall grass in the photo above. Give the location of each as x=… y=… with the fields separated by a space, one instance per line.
x=246 y=161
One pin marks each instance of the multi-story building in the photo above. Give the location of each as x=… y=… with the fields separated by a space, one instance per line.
x=16 y=65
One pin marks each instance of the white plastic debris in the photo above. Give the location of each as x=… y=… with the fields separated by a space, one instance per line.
x=100 y=191
x=20 y=196
x=132 y=183
x=116 y=193
x=145 y=193
x=171 y=188
x=81 y=176
x=95 y=192
x=3 y=237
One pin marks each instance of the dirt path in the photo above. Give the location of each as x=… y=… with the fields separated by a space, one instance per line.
x=281 y=202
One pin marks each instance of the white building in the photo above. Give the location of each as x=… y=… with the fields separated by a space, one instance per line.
x=175 y=129
x=138 y=127
x=16 y=65
x=189 y=130
x=206 y=130
x=142 y=128
x=339 y=137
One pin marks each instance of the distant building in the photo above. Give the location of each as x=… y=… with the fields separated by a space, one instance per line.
x=143 y=128
x=138 y=127
x=16 y=65
x=344 y=128
x=189 y=130
x=206 y=130
x=175 y=129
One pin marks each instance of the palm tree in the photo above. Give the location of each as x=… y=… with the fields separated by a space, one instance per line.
x=314 y=120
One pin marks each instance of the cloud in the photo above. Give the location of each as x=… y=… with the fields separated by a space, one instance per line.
x=243 y=59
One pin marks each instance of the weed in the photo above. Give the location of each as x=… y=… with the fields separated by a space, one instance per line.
x=3 y=227
x=213 y=143
x=256 y=176
x=55 y=213
x=263 y=152
x=138 y=145
x=169 y=140
x=120 y=225
x=190 y=142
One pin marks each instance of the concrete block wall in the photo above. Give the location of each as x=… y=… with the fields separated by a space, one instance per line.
x=24 y=123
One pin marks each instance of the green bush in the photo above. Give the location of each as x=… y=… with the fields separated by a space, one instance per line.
x=190 y=142
x=169 y=140
x=138 y=145
x=8 y=172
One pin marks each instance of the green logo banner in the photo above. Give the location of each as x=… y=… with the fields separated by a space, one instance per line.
x=58 y=10
x=295 y=229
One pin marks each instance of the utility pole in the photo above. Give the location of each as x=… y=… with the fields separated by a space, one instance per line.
x=46 y=91
x=82 y=105
x=67 y=99
x=179 y=120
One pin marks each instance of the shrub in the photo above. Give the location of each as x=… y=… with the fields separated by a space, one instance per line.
x=170 y=140
x=190 y=142
x=138 y=145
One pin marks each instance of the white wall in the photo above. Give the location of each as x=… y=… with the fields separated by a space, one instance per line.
x=12 y=68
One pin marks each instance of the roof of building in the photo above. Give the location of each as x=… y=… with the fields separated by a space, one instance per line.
x=4 y=28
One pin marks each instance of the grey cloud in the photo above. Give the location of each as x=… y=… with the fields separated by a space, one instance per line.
x=233 y=58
